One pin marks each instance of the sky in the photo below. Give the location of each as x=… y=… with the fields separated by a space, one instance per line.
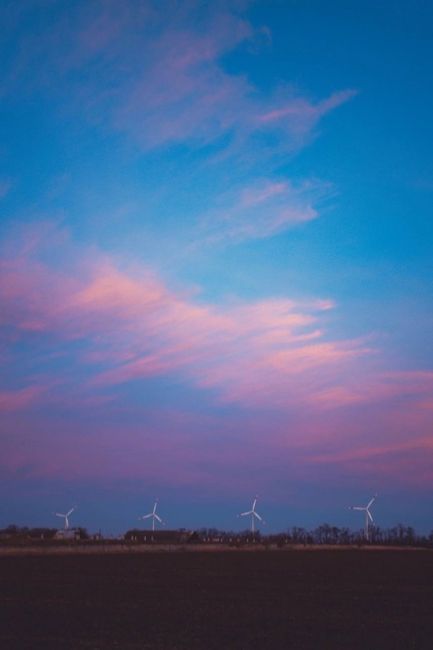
x=216 y=262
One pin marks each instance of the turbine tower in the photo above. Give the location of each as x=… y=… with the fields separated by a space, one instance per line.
x=66 y=516
x=153 y=516
x=368 y=515
x=254 y=515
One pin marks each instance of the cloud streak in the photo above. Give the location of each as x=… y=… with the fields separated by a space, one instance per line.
x=262 y=210
x=298 y=397
x=12 y=400
x=133 y=327
x=119 y=326
x=159 y=76
x=301 y=116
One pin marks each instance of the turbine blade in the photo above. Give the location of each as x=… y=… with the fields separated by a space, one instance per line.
x=357 y=508
x=157 y=518
x=369 y=514
x=371 y=501
x=257 y=515
x=59 y=514
x=243 y=514
x=70 y=512
x=146 y=516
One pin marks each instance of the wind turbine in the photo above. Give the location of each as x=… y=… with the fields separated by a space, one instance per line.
x=254 y=515
x=368 y=515
x=66 y=516
x=153 y=515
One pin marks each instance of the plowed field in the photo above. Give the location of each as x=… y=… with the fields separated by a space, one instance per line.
x=238 y=600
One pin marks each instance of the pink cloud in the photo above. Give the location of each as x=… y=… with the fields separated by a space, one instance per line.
x=367 y=454
x=159 y=76
x=174 y=86
x=180 y=92
x=136 y=327
x=131 y=326
x=300 y=115
x=253 y=196
x=383 y=386
x=263 y=210
x=186 y=95
x=12 y=400
x=407 y=462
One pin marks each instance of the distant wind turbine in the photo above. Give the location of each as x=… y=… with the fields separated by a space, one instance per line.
x=66 y=516
x=254 y=515
x=153 y=516
x=368 y=515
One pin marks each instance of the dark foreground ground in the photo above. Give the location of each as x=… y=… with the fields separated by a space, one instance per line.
x=240 y=600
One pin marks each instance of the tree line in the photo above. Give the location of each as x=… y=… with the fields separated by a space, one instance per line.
x=325 y=534
x=399 y=535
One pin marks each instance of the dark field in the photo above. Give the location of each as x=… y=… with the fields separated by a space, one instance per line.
x=237 y=600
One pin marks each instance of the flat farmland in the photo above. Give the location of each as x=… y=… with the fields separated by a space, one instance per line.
x=227 y=600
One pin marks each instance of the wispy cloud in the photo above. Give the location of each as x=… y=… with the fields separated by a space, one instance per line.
x=265 y=352
x=408 y=462
x=383 y=387
x=262 y=210
x=186 y=95
x=11 y=400
x=157 y=74
x=300 y=115
x=272 y=353
x=330 y=401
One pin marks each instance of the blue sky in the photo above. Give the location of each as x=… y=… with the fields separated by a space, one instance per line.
x=216 y=260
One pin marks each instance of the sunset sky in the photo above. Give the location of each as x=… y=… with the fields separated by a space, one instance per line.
x=216 y=261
